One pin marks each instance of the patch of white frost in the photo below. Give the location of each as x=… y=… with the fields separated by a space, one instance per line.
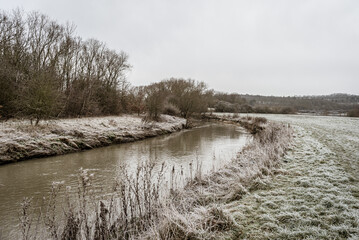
x=19 y=135
x=318 y=197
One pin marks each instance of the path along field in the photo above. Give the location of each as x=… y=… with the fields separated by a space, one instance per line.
x=317 y=197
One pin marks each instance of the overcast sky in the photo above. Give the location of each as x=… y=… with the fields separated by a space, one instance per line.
x=268 y=47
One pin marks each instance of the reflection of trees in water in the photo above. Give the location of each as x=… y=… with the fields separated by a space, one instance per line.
x=174 y=145
x=191 y=141
x=106 y=160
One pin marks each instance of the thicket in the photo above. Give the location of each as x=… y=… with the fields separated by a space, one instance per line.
x=48 y=71
x=333 y=102
x=177 y=97
x=235 y=103
x=239 y=103
x=354 y=112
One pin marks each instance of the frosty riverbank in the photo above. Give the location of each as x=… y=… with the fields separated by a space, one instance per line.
x=312 y=193
x=19 y=140
x=317 y=196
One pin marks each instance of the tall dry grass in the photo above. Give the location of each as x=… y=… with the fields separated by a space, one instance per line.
x=133 y=206
x=196 y=213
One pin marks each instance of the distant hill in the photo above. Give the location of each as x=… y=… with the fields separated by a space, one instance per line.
x=337 y=103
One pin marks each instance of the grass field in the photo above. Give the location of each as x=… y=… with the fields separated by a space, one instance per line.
x=317 y=197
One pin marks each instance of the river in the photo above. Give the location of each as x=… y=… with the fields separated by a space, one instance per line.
x=213 y=145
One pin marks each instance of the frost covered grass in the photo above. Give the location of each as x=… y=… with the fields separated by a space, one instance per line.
x=309 y=193
x=200 y=210
x=19 y=140
x=316 y=197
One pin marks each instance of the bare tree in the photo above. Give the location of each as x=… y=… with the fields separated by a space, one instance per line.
x=156 y=96
x=188 y=95
x=137 y=100
x=42 y=62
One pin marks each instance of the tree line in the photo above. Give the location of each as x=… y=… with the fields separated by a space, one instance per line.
x=239 y=103
x=47 y=71
x=177 y=97
x=236 y=103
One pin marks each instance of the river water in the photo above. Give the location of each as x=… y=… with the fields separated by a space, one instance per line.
x=213 y=145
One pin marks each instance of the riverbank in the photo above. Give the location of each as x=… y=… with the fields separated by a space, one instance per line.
x=20 y=141
x=310 y=193
x=295 y=180
x=199 y=211
x=316 y=198
x=145 y=205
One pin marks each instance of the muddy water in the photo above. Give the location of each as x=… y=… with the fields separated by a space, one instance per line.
x=213 y=145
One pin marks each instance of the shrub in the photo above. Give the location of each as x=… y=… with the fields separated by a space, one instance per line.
x=170 y=109
x=354 y=112
x=287 y=110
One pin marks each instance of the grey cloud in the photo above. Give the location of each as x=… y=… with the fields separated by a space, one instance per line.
x=277 y=47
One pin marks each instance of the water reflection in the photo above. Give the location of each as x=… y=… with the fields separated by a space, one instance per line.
x=213 y=145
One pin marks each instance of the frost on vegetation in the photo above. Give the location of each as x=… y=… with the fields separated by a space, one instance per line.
x=249 y=172
x=20 y=140
x=315 y=199
x=202 y=223
x=307 y=194
x=133 y=205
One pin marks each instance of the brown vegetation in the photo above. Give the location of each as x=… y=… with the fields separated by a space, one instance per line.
x=177 y=97
x=47 y=71
x=354 y=112
x=324 y=105
x=196 y=213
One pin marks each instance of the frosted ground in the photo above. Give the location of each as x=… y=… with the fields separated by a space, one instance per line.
x=19 y=140
x=317 y=197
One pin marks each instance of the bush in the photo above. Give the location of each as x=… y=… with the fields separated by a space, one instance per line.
x=260 y=120
x=170 y=109
x=222 y=106
x=287 y=110
x=353 y=113
x=157 y=95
